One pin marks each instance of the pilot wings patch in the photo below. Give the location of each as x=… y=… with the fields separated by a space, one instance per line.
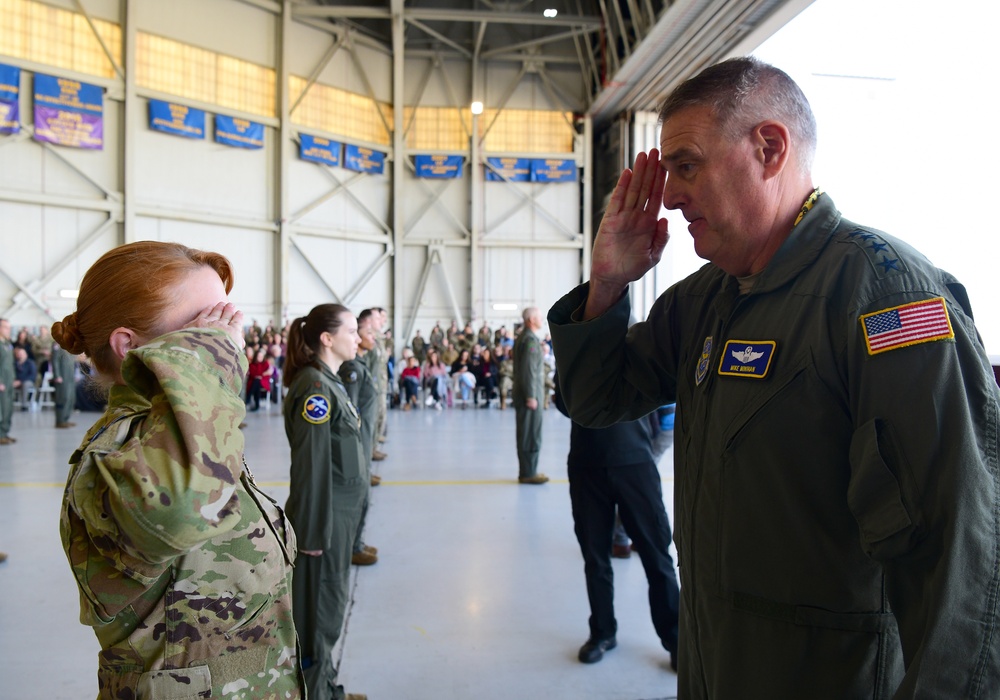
x=747 y=358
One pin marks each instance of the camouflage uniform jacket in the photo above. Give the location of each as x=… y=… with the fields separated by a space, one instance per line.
x=183 y=565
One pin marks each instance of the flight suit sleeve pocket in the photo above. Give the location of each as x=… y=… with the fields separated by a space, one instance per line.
x=875 y=498
x=175 y=684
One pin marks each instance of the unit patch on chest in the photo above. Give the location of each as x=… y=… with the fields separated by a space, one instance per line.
x=747 y=358
x=316 y=409
x=706 y=356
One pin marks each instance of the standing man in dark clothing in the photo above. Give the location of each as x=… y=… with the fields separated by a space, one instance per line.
x=64 y=382
x=528 y=395
x=609 y=467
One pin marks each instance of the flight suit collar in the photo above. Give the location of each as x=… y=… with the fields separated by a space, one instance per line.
x=800 y=250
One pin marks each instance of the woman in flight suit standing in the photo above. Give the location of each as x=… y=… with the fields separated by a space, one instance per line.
x=328 y=485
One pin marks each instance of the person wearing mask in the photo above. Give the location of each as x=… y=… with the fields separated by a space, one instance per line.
x=183 y=564
x=328 y=485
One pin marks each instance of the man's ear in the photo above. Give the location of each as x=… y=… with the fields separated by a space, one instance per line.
x=773 y=146
x=122 y=340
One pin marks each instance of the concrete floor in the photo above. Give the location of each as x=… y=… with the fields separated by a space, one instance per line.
x=478 y=594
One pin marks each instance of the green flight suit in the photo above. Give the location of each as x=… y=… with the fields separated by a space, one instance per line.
x=419 y=348
x=437 y=338
x=63 y=366
x=362 y=388
x=183 y=565
x=529 y=383
x=377 y=361
x=327 y=491
x=836 y=462
x=7 y=379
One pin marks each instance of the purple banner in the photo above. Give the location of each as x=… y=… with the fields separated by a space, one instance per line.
x=68 y=127
x=9 y=122
x=68 y=112
x=10 y=90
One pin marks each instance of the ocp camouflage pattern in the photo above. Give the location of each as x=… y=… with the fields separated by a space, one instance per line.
x=183 y=565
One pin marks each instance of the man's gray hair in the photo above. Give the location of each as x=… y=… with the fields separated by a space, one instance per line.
x=743 y=92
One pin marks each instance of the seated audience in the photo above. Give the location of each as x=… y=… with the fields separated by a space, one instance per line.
x=464 y=381
x=436 y=379
x=259 y=379
x=409 y=383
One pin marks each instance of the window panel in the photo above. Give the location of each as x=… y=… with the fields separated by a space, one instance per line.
x=198 y=74
x=339 y=112
x=36 y=32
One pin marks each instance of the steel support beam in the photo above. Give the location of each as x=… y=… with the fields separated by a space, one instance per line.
x=282 y=244
x=430 y=202
x=429 y=14
x=398 y=170
x=195 y=217
x=38 y=285
x=313 y=267
x=323 y=198
x=338 y=41
x=130 y=121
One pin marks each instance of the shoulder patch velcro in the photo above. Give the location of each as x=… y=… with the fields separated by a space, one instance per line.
x=316 y=409
x=907 y=324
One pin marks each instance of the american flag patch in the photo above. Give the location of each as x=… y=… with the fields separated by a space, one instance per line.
x=908 y=324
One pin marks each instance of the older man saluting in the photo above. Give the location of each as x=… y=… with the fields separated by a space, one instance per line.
x=836 y=445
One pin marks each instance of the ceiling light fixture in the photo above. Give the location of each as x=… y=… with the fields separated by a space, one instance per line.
x=550 y=13
x=476 y=107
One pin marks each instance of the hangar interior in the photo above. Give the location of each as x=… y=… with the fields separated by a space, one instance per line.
x=480 y=592
x=394 y=81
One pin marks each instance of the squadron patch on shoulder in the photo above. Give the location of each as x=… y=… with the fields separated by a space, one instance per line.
x=747 y=358
x=316 y=409
x=905 y=325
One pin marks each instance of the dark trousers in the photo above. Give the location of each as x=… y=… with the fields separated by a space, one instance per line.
x=254 y=392
x=635 y=488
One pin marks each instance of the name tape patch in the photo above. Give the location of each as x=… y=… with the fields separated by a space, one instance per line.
x=747 y=358
x=316 y=409
x=907 y=324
